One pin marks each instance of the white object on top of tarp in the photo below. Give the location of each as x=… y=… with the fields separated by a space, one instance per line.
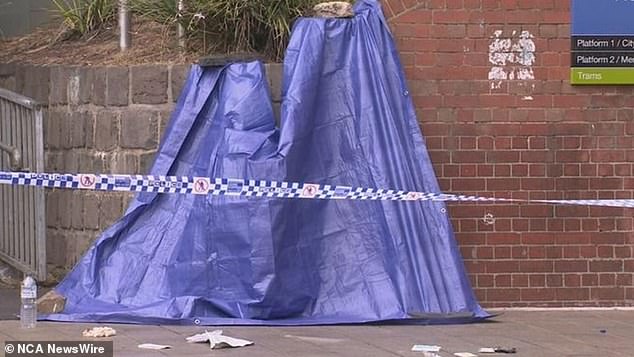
x=426 y=348
x=218 y=340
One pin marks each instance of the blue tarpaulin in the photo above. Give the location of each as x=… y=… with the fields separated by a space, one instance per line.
x=347 y=119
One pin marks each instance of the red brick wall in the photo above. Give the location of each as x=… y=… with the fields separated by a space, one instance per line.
x=532 y=138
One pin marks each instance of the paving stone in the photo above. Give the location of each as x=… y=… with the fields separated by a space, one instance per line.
x=80 y=85
x=55 y=247
x=139 y=129
x=87 y=162
x=52 y=132
x=178 y=77
x=91 y=211
x=54 y=161
x=164 y=118
x=543 y=333
x=60 y=77
x=78 y=129
x=124 y=163
x=106 y=130
x=36 y=83
x=110 y=209
x=77 y=210
x=149 y=84
x=89 y=129
x=71 y=162
x=66 y=124
x=145 y=162
x=52 y=208
x=274 y=74
x=65 y=199
x=99 y=86
x=118 y=86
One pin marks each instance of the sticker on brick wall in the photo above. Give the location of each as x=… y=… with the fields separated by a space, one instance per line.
x=512 y=57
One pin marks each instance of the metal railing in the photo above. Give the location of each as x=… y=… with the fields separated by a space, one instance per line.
x=125 y=39
x=22 y=209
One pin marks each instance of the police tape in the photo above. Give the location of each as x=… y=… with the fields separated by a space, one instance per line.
x=257 y=188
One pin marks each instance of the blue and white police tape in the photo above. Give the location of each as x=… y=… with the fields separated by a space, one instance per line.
x=256 y=188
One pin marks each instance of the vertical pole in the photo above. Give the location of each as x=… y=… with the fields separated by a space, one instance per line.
x=124 y=25
x=181 y=28
x=40 y=199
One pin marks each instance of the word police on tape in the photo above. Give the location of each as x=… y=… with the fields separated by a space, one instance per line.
x=256 y=188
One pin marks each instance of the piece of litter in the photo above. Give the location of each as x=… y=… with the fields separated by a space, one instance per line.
x=426 y=348
x=430 y=354
x=315 y=339
x=218 y=340
x=497 y=350
x=151 y=346
x=99 y=332
x=465 y=354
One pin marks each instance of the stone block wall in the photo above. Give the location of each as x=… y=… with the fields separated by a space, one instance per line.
x=99 y=120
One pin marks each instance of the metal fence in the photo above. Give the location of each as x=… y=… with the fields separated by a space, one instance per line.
x=22 y=209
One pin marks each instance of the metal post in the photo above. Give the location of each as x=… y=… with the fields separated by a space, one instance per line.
x=181 y=28
x=124 y=25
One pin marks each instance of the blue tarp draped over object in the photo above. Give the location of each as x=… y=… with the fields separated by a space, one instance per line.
x=347 y=119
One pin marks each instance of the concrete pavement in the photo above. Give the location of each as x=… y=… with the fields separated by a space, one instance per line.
x=541 y=333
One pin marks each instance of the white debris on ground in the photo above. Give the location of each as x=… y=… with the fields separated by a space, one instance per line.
x=426 y=348
x=217 y=340
x=99 y=332
x=152 y=346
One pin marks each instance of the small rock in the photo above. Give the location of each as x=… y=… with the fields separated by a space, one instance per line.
x=334 y=9
x=51 y=303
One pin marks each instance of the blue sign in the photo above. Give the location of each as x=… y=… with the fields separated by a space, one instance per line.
x=602 y=17
x=602 y=47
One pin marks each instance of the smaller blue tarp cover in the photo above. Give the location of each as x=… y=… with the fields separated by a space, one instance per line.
x=347 y=119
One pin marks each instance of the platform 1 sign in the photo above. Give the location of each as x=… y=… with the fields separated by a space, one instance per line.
x=602 y=35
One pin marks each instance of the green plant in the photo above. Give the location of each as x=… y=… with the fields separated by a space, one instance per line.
x=248 y=25
x=85 y=16
x=212 y=25
x=163 y=11
x=230 y=25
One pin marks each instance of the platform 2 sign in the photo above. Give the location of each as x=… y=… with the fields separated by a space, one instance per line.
x=602 y=35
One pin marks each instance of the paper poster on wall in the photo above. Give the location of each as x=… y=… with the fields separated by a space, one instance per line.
x=602 y=35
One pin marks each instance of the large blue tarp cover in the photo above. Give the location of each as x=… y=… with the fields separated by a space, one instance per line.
x=347 y=119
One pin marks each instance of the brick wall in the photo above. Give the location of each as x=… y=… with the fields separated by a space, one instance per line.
x=100 y=120
x=531 y=135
